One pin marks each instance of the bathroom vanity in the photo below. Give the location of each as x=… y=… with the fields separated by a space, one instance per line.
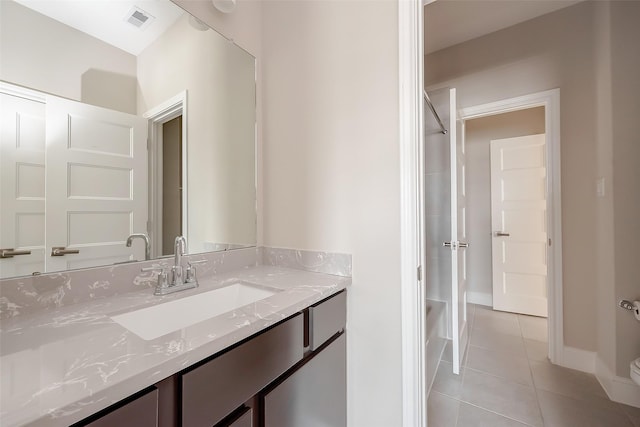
x=277 y=377
x=76 y=365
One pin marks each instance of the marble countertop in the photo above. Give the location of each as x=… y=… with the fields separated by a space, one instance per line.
x=58 y=367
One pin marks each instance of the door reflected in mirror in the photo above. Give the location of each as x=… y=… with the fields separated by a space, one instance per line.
x=120 y=118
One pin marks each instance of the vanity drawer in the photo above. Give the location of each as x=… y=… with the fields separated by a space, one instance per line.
x=140 y=412
x=213 y=390
x=327 y=318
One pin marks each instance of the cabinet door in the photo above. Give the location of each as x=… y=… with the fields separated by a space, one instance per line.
x=313 y=396
x=215 y=389
x=141 y=412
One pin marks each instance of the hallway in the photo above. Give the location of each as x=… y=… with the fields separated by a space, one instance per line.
x=507 y=381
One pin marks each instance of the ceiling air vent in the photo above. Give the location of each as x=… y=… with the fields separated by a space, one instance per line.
x=139 y=18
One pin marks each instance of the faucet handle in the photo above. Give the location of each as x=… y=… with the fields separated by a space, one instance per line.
x=163 y=281
x=191 y=271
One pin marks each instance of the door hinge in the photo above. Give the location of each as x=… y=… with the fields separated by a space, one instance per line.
x=549 y=241
x=419 y=273
x=149 y=224
x=148 y=144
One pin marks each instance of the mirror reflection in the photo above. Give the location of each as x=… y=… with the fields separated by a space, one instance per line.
x=121 y=123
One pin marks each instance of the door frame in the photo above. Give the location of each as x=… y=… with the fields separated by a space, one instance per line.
x=168 y=110
x=411 y=142
x=550 y=100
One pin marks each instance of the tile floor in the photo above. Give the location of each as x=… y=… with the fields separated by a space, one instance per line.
x=507 y=381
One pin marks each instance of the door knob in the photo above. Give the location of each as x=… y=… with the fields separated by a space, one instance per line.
x=455 y=244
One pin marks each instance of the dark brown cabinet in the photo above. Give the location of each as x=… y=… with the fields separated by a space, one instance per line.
x=291 y=374
x=140 y=411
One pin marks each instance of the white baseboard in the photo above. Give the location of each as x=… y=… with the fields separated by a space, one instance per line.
x=578 y=359
x=619 y=389
x=480 y=298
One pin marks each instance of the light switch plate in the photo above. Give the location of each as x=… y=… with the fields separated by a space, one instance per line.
x=600 y=187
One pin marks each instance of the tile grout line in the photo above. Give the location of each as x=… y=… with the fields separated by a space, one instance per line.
x=495 y=413
x=533 y=381
x=463 y=364
x=461 y=401
x=511 y=380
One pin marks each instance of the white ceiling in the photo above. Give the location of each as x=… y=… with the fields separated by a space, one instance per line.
x=449 y=22
x=106 y=19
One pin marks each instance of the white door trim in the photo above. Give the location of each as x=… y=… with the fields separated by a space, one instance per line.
x=157 y=116
x=411 y=58
x=549 y=99
x=22 y=92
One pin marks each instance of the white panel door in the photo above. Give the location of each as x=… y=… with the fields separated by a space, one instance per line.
x=459 y=208
x=457 y=242
x=96 y=184
x=445 y=217
x=518 y=217
x=22 y=189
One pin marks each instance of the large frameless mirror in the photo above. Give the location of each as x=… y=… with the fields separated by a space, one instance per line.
x=121 y=121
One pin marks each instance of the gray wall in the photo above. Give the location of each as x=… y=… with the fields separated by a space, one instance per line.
x=625 y=61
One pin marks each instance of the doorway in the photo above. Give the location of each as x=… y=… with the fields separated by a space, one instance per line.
x=549 y=101
x=171 y=183
x=168 y=174
x=506 y=210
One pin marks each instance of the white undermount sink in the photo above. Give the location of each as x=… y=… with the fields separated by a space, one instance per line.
x=153 y=322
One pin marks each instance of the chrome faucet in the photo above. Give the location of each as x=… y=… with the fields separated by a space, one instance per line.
x=179 y=279
x=147 y=243
x=180 y=249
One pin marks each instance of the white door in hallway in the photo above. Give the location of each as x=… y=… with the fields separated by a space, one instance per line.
x=518 y=218
x=97 y=184
x=445 y=217
x=459 y=217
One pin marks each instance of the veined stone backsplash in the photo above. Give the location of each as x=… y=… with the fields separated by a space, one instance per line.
x=318 y=262
x=31 y=294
